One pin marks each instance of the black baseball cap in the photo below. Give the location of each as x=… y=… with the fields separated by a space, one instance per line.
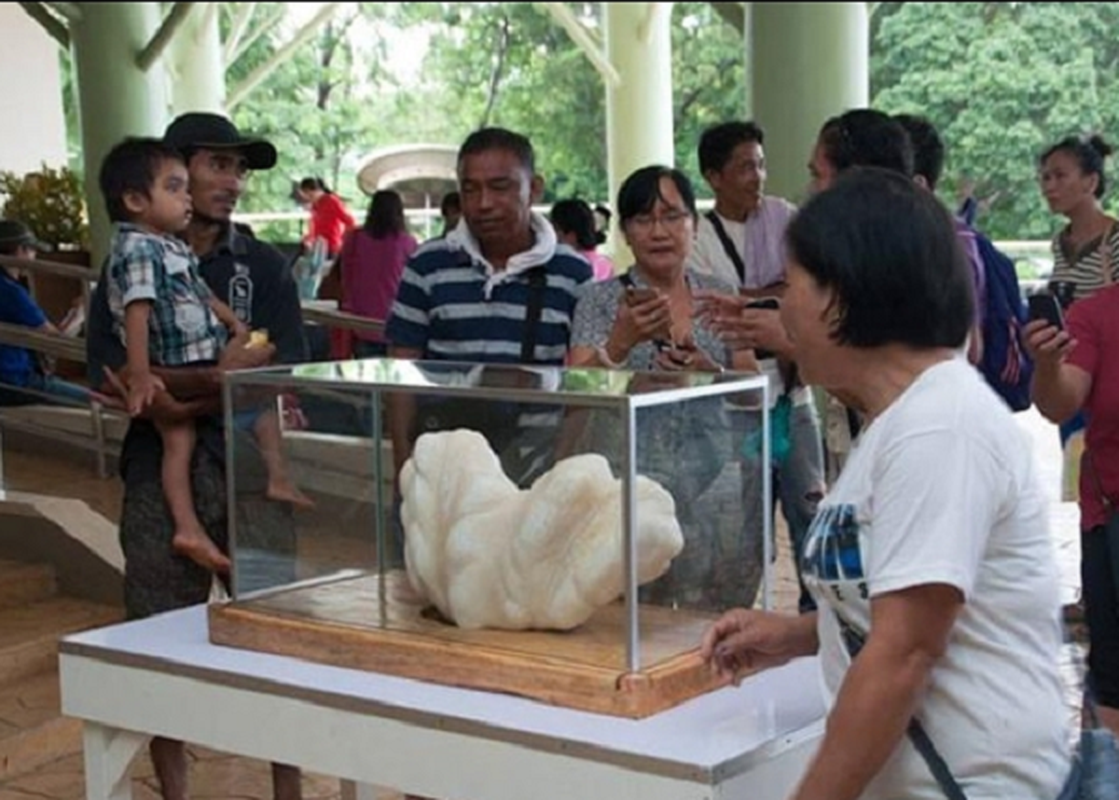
x=199 y=129
x=14 y=233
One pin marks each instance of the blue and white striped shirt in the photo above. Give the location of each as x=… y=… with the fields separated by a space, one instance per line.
x=452 y=305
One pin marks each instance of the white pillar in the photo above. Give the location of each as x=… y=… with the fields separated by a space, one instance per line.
x=809 y=61
x=639 y=129
x=115 y=97
x=196 y=66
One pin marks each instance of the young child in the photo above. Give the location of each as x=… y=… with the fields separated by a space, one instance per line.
x=166 y=315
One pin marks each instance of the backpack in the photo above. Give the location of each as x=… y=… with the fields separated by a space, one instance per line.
x=1005 y=364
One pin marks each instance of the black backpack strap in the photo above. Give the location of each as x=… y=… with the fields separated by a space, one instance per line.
x=537 y=283
x=728 y=245
x=854 y=642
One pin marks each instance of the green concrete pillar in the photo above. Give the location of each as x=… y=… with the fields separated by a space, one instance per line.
x=115 y=97
x=639 y=128
x=809 y=61
x=196 y=64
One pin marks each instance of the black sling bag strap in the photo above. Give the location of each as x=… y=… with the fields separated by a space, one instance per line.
x=854 y=642
x=537 y=283
x=728 y=245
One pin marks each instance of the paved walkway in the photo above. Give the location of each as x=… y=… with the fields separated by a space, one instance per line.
x=217 y=775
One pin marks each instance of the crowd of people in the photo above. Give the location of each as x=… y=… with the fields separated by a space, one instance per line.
x=929 y=587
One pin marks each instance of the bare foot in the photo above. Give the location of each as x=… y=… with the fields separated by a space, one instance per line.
x=284 y=491
x=200 y=548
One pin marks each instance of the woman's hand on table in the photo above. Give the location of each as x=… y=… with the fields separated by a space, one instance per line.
x=743 y=641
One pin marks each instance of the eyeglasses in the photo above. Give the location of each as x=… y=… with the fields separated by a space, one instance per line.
x=670 y=220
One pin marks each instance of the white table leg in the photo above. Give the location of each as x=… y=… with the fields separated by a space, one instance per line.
x=108 y=761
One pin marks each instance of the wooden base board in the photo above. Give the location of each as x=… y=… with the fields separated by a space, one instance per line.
x=360 y=622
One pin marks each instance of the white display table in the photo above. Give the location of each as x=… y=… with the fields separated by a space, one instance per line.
x=161 y=676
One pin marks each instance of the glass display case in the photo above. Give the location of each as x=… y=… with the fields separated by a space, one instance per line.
x=565 y=534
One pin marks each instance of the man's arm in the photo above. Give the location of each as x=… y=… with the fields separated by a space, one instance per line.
x=192 y=391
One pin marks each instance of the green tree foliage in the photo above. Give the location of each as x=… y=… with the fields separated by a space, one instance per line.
x=313 y=106
x=509 y=64
x=709 y=80
x=505 y=64
x=1001 y=81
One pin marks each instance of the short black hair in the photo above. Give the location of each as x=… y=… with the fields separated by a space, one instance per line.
x=1090 y=153
x=717 y=143
x=928 y=147
x=131 y=166
x=451 y=200
x=889 y=250
x=311 y=184
x=641 y=190
x=576 y=216
x=864 y=137
x=485 y=139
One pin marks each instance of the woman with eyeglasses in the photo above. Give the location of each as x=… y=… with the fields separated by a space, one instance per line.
x=644 y=320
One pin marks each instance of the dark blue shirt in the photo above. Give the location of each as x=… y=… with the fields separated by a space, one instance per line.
x=17 y=308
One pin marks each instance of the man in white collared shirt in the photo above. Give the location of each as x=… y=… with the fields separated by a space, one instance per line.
x=742 y=242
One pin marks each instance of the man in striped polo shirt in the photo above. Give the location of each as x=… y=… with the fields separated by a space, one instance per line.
x=497 y=289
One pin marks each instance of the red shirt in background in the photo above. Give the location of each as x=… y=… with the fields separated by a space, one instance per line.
x=329 y=220
x=371 y=270
x=1094 y=323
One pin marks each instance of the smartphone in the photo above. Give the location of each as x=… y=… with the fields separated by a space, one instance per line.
x=1046 y=307
x=636 y=296
x=768 y=304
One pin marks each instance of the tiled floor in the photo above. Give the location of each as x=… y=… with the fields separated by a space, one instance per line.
x=49 y=470
x=212 y=775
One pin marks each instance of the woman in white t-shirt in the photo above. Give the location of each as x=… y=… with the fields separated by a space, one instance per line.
x=933 y=545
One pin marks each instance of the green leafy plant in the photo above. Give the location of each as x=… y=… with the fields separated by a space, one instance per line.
x=50 y=203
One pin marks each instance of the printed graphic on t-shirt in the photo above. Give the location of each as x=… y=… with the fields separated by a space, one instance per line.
x=833 y=553
x=241 y=295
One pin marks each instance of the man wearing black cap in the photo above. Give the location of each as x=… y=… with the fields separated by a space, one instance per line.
x=254 y=280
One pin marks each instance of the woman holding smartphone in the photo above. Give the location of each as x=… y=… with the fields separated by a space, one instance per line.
x=1086 y=250
x=644 y=320
x=1076 y=369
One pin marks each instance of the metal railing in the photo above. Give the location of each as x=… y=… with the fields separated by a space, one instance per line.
x=73 y=348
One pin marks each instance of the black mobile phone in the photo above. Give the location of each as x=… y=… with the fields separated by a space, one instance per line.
x=1046 y=307
x=767 y=304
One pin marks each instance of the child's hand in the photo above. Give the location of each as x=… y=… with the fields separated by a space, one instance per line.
x=142 y=390
x=239 y=329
